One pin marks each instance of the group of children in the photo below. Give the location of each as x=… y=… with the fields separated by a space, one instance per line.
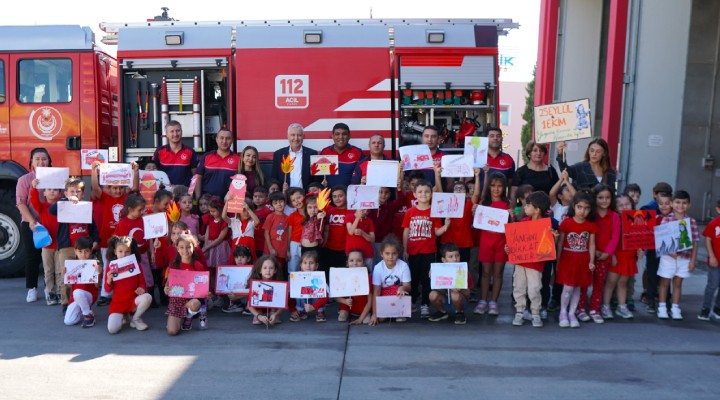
x=280 y=232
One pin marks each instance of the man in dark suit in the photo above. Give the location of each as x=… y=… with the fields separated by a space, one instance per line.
x=300 y=175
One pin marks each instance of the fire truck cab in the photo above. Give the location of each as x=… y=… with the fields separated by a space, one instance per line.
x=56 y=91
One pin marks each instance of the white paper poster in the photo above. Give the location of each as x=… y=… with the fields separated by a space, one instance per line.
x=394 y=306
x=88 y=157
x=673 y=236
x=116 y=174
x=51 y=177
x=568 y=120
x=308 y=285
x=363 y=197
x=490 y=219
x=456 y=166
x=155 y=225
x=383 y=173
x=449 y=275
x=477 y=149
x=415 y=157
x=233 y=279
x=74 y=213
x=124 y=267
x=348 y=282
x=80 y=271
x=447 y=205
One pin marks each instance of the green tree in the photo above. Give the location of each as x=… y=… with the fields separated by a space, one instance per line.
x=528 y=115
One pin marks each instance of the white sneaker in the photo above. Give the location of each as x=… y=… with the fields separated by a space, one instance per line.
x=343 y=316
x=424 y=311
x=138 y=324
x=662 y=312
x=537 y=321
x=32 y=295
x=518 y=320
x=676 y=313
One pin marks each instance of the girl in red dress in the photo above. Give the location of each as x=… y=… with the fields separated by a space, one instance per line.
x=180 y=309
x=130 y=292
x=619 y=273
x=576 y=255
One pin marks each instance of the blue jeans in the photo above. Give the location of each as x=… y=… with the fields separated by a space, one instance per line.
x=713 y=281
x=300 y=304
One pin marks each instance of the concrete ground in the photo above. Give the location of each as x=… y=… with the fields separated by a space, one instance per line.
x=488 y=358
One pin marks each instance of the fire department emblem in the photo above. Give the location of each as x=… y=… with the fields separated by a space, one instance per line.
x=45 y=122
x=183 y=156
x=231 y=160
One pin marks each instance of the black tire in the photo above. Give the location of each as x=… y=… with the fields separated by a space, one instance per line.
x=12 y=249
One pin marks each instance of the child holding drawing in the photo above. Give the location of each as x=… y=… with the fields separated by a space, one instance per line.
x=130 y=293
x=266 y=268
x=82 y=295
x=419 y=239
x=233 y=303
x=391 y=276
x=181 y=310
x=360 y=235
x=309 y=263
x=312 y=236
x=450 y=253
x=359 y=307
x=131 y=224
x=50 y=257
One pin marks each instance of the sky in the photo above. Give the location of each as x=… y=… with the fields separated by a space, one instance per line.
x=518 y=49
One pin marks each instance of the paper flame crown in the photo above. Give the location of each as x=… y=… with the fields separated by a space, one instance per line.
x=173 y=212
x=323 y=198
x=287 y=164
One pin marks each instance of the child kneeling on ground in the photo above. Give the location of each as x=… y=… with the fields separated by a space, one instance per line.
x=450 y=253
x=82 y=295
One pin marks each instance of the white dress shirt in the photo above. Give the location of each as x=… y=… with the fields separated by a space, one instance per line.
x=296 y=174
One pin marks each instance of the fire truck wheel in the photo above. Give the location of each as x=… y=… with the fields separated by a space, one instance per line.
x=12 y=250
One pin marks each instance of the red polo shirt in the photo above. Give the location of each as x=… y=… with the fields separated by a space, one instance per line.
x=217 y=171
x=178 y=165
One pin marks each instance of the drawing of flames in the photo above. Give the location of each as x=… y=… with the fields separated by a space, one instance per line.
x=545 y=249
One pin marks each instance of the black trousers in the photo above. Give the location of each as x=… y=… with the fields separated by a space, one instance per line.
x=420 y=276
x=332 y=259
x=33 y=257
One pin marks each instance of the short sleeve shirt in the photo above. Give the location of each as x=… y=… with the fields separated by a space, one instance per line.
x=387 y=277
x=217 y=171
x=178 y=166
x=348 y=160
x=421 y=238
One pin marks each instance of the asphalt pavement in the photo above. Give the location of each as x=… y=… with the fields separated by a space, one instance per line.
x=635 y=359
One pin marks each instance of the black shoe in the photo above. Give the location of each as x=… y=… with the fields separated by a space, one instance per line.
x=64 y=308
x=460 y=318
x=704 y=314
x=553 y=306
x=438 y=316
x=103 y=301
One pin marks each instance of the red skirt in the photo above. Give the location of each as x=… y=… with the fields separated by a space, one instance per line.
x=176 y=307
x=573 y=269
x=626 y=263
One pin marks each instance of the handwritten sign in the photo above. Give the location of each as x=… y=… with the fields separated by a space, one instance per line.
x=236 y=203
x=116 y=174
x=155 y=225
x=383 y=173
x=530 y=241
x=393 y=306
x=233 y=279
x=347 y=282
x=308 y=285
x=123 y=268
x=324 y=165
x=415 y=157
x=490 y=219
x=74 y=213
x=88 y=157
x=562 y=121
x=188 y=284
x=447 y=205
x=477 y=149
x=673 y=237
x=361 y=197
x=456 y=166
x=638 y=229
x=81 y=271
x=51 y=178
x=449 y=275
x=268 y=294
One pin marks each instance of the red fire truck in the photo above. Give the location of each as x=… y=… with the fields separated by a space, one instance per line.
x=255 y=78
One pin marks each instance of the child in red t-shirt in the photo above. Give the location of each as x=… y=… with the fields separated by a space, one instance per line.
x=712 y=244
x=180 y=310
x=276 y=230
x=130 y=293
x=336 y=232
x=491 y=253
x=83 y=295
x=215 y=246
x=527 y=278
x=295 y=228
x=131 y=224
x=384 y=218
x=359 y=307
x=262 y=210
x=360 y=235
x=161 y=200
x=460 y=228
x=419 y=241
